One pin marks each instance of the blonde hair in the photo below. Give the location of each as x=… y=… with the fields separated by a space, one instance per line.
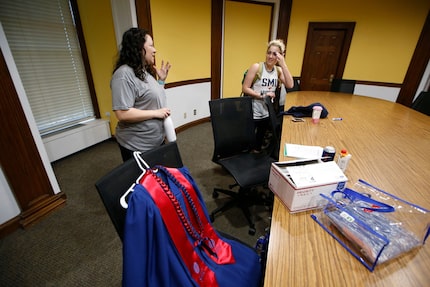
x=277 y=43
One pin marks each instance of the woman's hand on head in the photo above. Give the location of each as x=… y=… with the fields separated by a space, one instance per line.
x=280 y=59
x=163 y=71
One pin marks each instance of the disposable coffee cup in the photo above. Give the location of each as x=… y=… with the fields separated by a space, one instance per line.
x=316 y=114
x=169 y=129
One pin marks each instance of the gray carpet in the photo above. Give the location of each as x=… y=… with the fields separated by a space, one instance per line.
x=77 y=245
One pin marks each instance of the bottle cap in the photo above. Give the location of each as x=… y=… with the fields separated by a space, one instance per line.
x=343 y=151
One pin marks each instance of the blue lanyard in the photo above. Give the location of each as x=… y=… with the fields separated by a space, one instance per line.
x=374 y=205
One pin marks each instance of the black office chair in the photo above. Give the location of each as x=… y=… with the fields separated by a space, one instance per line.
x=114 y=184
x=234 y=136
x=343 y=86
x=422 y=103
x=296 y=86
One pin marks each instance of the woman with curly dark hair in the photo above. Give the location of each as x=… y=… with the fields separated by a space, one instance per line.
x=138 y=98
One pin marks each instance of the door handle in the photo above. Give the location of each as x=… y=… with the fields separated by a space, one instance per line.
x=331 y=78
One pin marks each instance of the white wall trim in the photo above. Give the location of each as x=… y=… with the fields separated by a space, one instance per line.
x=189 y=103
x=379 y=92
x=74 y=139
x=425 y=81
x=8 y=206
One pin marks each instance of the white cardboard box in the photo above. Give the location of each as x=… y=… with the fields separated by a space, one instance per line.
x=298 y=183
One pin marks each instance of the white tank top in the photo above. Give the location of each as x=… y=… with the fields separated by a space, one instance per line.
x=267 y=83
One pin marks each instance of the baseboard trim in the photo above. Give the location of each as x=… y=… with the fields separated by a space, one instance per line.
x=33 y=215
x=192 y=124
x=9 y=226
x=42 y=208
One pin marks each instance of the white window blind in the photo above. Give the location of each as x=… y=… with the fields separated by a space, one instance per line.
x=44 y=44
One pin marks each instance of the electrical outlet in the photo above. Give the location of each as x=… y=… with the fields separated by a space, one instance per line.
x=195 y=112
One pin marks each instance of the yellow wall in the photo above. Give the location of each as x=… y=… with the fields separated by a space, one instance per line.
x=182 y=35
x=384 y=39
x=99 y=33
x=245 y=42
x=187 y=49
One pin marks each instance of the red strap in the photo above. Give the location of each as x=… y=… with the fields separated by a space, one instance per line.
x=200 y=272
x=222 y=249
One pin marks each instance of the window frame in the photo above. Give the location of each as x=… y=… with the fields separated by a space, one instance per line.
x=51 y=119
x=85 y=58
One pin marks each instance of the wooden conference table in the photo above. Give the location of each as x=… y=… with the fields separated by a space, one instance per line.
x=390 y=147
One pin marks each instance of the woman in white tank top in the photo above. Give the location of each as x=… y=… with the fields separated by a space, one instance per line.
x=263 y=84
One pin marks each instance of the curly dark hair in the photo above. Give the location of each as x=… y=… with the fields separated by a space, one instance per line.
x=131 y=52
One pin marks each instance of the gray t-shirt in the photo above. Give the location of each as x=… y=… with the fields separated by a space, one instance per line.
x=128 y=91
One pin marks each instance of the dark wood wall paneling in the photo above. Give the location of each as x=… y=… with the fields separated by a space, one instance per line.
x=284 y=19
x=86 y=60
x=143 y=13
x=19 y=155
x=20 y=160
x=216 y=51
x=417 y=66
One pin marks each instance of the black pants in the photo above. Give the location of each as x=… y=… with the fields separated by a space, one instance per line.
x=261 y=126
x=125 y=153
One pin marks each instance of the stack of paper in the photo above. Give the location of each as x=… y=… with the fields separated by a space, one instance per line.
x=303 y=151
x=315 y=174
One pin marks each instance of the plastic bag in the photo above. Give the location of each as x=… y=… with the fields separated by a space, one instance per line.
x=373 y=225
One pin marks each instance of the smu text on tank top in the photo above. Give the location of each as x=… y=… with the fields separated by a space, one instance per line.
x=267 y=83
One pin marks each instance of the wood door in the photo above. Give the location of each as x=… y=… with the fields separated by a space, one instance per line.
x=326 y=51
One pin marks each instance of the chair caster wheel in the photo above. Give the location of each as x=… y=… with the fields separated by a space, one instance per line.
x=215 y=194
x=251 y=231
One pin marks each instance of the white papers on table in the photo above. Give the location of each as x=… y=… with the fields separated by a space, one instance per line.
x=315 y=174
x=303 y=151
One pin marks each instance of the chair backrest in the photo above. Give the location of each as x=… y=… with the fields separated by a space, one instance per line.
x=296 y=86
x=422 y=103
x=232 y=126
x=343 y=86
x=114 y=184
